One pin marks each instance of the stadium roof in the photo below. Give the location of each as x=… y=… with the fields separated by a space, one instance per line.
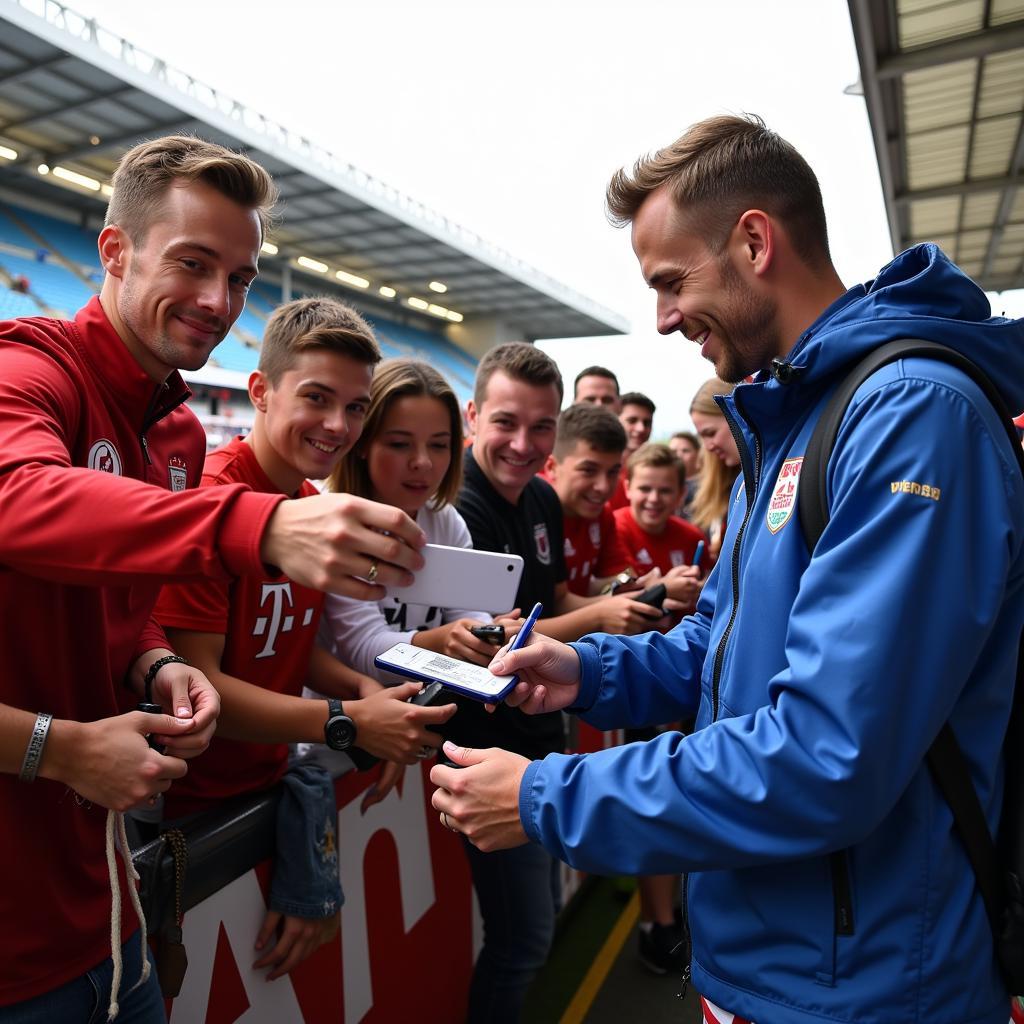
x=73 y=96
x=944 y=84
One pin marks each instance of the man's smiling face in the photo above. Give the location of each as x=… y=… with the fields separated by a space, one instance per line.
x=700 y=294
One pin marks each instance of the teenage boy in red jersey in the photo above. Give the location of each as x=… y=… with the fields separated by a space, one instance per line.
x=93 y=438
x=653 y=535
x=254 y=636
x=584 y=469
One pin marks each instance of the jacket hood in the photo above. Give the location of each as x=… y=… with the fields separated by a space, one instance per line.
x=921 y=294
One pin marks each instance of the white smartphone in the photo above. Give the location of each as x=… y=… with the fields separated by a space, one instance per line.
x=484 y=581
x=461 y=676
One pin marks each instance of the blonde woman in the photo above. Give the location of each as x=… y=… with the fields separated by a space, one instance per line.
x=721 y=462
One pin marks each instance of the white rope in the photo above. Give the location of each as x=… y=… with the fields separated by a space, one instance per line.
x=115 y=821
x=115 y=918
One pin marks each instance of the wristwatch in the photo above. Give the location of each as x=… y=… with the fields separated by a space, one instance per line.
x=339 y=730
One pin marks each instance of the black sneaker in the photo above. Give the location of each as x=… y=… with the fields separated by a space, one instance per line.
x=661 y=948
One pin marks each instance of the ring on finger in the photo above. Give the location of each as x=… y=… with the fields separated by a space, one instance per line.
x=372 y=574
x=426 y=751
x=447 y=824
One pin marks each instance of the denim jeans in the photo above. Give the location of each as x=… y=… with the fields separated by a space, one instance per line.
x=305 y=880
x=84 y=1000
x=518 y=891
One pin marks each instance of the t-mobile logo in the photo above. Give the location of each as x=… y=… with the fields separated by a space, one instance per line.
x=280 y=597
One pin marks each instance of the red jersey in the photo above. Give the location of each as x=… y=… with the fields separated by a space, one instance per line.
x=269 y=625
x=592 y=548
x=675 y=545
x=90 y=451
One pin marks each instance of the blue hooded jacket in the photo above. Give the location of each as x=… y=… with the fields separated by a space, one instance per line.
x=819 y=683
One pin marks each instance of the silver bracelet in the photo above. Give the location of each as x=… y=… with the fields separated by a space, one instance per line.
x=34 y=751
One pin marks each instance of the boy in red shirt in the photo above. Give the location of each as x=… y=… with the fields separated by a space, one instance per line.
x=584 y=470
x=654 y=537
x=254 y=636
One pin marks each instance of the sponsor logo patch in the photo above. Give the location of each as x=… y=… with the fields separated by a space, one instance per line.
x=540 y=538
x=783 y=499
x=103 y=456
x=595 y=534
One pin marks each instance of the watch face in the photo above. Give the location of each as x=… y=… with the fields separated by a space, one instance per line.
x=340 y=732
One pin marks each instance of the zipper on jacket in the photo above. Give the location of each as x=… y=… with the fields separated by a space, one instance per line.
x=750 y=480
x=687 y=941
x=842 y=900
x=154 y=413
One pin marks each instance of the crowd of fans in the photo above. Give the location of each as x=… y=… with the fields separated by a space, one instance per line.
x=135 y=572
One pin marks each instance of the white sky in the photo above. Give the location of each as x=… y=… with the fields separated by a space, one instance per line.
x=509 y=117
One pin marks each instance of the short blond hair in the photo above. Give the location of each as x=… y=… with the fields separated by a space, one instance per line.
x=314 y=323
x=721 y=167
x=657 y=456
x=148 y=170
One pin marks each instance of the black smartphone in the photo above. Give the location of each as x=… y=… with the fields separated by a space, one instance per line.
x=431 y=694
x=493 y=633
x=654 y=596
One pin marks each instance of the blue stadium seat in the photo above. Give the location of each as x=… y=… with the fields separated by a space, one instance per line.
x=57 y=287
x=13 y=235
x=233 y=354
x=70 y=241
x=14 y=304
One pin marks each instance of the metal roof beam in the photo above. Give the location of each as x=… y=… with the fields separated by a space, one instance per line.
x=132 y=137
x=64 y=108
x=13 y=76
x=965 y=188
x=1005 y=205
x=968 y=47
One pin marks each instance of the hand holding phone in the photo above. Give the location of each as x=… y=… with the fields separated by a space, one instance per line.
x=492 y=633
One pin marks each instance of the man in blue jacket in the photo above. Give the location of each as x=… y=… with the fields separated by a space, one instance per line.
x=819 y=682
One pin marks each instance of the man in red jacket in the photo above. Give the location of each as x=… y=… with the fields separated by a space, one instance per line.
x=94 y=440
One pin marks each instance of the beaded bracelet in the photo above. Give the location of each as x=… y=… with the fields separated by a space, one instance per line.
x=154 y=668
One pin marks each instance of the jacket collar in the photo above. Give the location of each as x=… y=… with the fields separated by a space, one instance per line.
x=109 y=359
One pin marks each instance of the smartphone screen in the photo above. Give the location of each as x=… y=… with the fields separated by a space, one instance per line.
x=461 y=676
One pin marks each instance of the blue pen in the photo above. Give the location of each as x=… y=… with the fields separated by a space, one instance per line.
x=523 y=635
x=698 y=554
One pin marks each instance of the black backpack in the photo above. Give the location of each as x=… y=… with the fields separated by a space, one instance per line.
x=998 y=865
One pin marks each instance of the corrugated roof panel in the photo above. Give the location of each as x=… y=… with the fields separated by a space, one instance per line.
x=1006 y=265
x=971 y=269
x=934 y=97
x=945 y=242
x=1013 y=238
x=980 y=209
x=1002 y=84
x=1004 y=11
x=921 y=23
x=934 y=216
x=937 y=158
x=1017 y=209
x=973 y=244
x=993 y=146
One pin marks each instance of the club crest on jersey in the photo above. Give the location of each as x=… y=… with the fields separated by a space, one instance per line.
x=103 y=456
x=783 y=499
x=177 y=473
x=540 y=538
x=595 y=534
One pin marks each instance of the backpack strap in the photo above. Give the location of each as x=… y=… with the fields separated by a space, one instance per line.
x=945 y=758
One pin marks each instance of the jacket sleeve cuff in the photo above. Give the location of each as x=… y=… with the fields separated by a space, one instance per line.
x=590 y=677
x=241 y=532
x=526 y=802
